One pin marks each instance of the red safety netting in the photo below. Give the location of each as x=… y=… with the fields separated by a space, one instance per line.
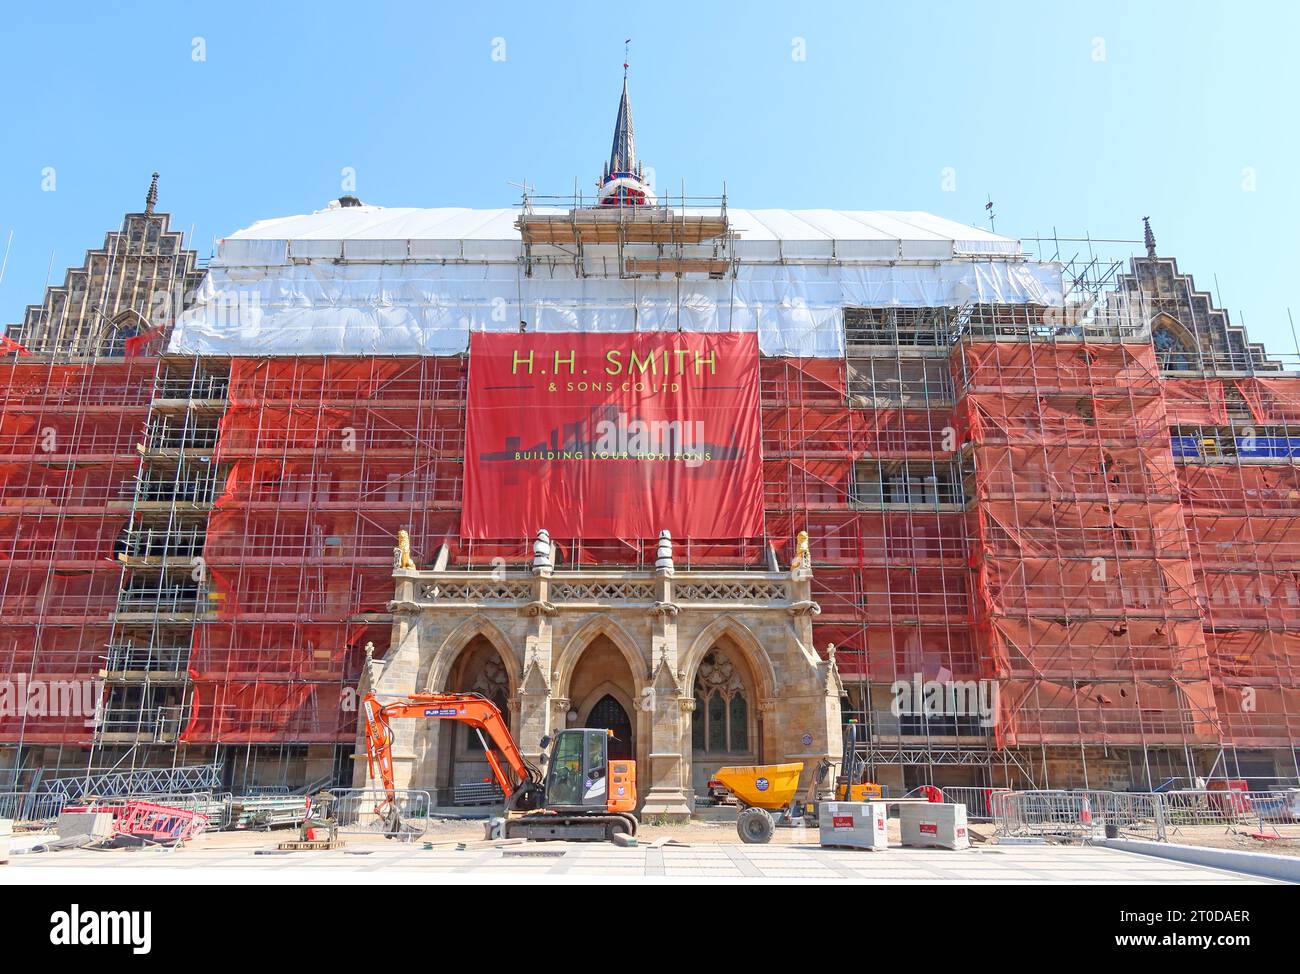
x=1013 y=367
x=1259 y=716
x=1271 y=400
x=1255 y=654
x=1085 y=595
x=1069 y=557
x=68 y=457
x=1118 y=712
x=1244 y=489
x=264 y=712
x=1196 y=402
x=1243 y=522
x=326 y=461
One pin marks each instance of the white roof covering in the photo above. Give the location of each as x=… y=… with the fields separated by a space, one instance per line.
x=404 y=281
x=898 y=228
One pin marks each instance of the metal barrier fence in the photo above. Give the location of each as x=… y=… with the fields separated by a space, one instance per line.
x=1078 y=814
x=31 y=808
x=978 y=801
x=354 y=809
x=1275 y=812
x=1152 y=815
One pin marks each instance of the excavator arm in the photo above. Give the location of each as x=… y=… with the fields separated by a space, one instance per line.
x=519 y=780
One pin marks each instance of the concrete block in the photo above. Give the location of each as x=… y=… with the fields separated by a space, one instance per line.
x=853 y=825
x=934 y=825
x=96 y=825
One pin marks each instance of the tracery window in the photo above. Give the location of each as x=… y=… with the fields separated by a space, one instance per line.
x=490 y=679
x=1171 y=351
x=720 y=722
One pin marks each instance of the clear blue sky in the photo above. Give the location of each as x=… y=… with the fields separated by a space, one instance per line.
x=1078 y=117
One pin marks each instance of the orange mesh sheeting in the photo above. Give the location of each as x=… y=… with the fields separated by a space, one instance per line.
x=1105 y=528
x=269 y=713
x=1085 y=596
x=327 y=461
x=1100 y=586
x=1113 y=712
x=783 y=380
x=1248 y=488
x=1059 y=649
x=1259 y=598
x=1271 y=400
x=1230 y=539
x=1029 y=366
x=68 y=458
x=1196 y=402
x=1255 y=654
x=1255 y=716
x=1086 y=468
x=1067 y=418
x=901 y=432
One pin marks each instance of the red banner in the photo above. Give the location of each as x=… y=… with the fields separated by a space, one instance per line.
x=613 y=436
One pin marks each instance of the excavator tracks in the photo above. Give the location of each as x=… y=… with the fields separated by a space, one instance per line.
x=572 y=828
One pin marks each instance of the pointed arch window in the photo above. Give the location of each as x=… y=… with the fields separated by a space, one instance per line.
x=720 y=722
x=1172 y=352
x=490 y=679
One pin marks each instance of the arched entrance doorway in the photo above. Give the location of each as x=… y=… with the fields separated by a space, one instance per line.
x=464 y=774
x=601 y=694
x=608 y=713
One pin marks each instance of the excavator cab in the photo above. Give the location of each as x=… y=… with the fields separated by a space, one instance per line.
x=577 y=774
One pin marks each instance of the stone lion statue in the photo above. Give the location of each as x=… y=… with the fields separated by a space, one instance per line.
x=802 y=556
x=402 y=553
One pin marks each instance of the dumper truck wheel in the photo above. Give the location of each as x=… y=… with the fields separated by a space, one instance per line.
x=755 y=825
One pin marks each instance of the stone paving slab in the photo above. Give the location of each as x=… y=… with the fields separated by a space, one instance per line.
x=698 y=862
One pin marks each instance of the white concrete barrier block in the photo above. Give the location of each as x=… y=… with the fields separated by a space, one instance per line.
x=96 y=825
x=855 y=825
x=929 y=825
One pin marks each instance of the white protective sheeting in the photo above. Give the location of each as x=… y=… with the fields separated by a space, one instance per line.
x=375 y=280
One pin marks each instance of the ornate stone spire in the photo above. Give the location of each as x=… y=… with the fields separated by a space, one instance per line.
x=1148 y=237
x=622 y=156
x=622 y=183
x=151 y=198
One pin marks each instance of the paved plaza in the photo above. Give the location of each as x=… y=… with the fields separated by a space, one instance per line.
x=702 y=862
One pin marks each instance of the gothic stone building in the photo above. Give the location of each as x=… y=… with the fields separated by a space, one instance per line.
x=1087 y=498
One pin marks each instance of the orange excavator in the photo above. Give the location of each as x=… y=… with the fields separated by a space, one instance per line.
x=582 y=796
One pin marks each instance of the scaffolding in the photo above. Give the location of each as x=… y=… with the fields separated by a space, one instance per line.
x=1093 y=508
x=323 y=462
x=69 y=432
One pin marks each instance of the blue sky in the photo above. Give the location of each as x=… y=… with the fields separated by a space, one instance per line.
x=1076 y=118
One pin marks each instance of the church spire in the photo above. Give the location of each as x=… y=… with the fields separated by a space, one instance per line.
x=1148 y=237
x=151 y=197
x=622 y=183
x=622 y=157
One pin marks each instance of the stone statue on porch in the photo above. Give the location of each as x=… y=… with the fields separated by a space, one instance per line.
x=664 y=553
x=802 y=557
x=543 y=556
x=402 y=553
